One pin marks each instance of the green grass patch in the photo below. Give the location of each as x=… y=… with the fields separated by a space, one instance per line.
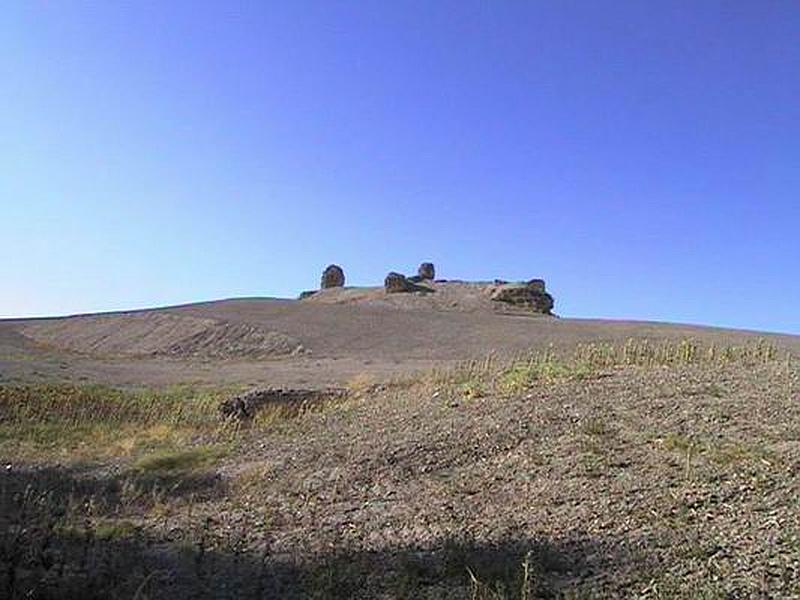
x=173 y=462
x=520 y=376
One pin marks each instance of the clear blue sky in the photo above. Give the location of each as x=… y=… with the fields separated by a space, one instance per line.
x=642 y=157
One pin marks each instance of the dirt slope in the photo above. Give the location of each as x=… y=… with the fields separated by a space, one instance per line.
x=590 y=475
x=320 y=341
x=159 y=334
x=647 y=478
x=378 y=332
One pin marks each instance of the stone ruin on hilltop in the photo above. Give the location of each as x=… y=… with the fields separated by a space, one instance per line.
x=332 y=276
x=529 y=295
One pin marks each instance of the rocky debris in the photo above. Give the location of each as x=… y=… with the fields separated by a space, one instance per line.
x=244 y=406
x=332 y=276
x=530 y=295
x=426 y=271
x=306 y=294
x=398 y=283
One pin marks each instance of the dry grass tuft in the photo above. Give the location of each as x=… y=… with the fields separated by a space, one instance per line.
x=57 y=422
x=492 y=376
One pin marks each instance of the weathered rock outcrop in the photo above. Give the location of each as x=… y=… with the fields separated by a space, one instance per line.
x=426 y=271
x=536 y=285
x=530 y=295
x=398 y=283
x=332 y=276
x=245 y=406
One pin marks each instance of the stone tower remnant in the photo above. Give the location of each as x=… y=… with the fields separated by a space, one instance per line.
x=426 y=271
x=332 y=276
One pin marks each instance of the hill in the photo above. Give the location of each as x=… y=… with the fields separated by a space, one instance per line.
x=646 y=470
x=329 y=338
x=469 y=449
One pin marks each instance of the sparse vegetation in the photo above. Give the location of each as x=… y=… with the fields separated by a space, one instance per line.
x=665 y=470
x=648 y=353
x=69 y=422
x=493 y=376
x=179 y=461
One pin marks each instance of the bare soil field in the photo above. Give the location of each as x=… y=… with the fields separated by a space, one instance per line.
x=327 y=339
x=159 y=334
x=473 y=454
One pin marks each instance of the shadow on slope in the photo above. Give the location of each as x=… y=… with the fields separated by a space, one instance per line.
x=56 y=541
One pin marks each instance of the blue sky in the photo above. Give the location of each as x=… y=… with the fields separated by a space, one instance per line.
x=643 y=158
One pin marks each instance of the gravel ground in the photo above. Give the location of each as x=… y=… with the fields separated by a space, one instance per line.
x=658 y=482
